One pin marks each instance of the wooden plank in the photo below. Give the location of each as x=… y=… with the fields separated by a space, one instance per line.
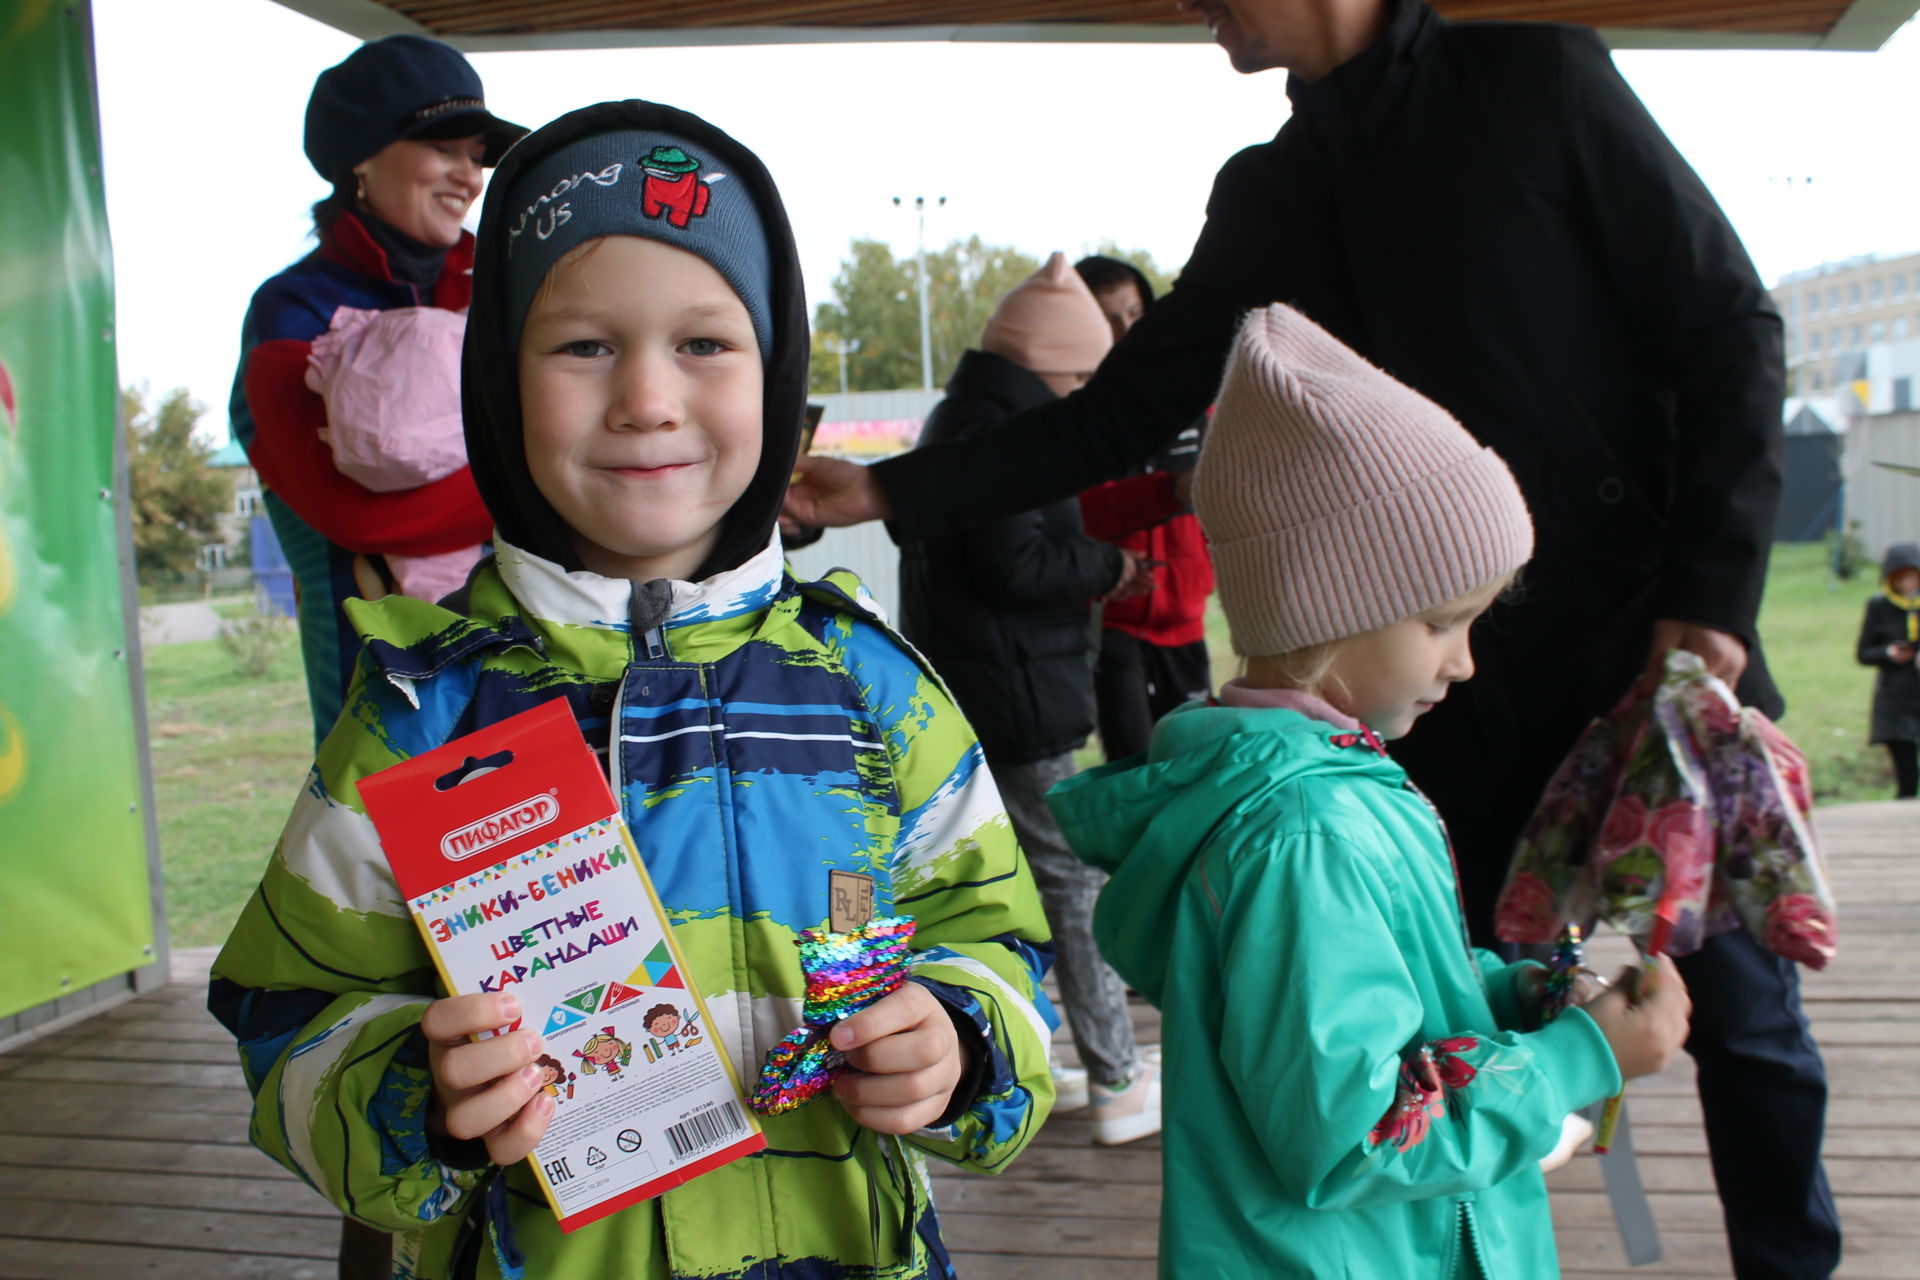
x=1021 y=1197
x=1690 y=1139
x=1000 y=1266
x=1052 y=1237
x=33 y=1151
x=1876 y=1215
x=73 y=1260
x=1810 y=19
x=1842 y=1112
x=63 y=1118
x=1691 y=1173
x=1131 y=1163
x=146 y=1050
x=288 y=1196
x=134 y=1074
x=266 y=1235
x=109 y=1101
x=1704 y=1253
x=142 y=1021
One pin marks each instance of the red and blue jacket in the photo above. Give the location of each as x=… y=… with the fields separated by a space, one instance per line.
x=326 y=522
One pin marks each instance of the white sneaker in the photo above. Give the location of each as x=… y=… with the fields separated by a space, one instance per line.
x=1131 y=1111
x=1069 y=1088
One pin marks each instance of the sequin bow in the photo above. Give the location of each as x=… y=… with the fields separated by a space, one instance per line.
x=845 y=972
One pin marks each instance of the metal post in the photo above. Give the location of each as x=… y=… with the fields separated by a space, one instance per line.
x=843 y=347
x=920 y=256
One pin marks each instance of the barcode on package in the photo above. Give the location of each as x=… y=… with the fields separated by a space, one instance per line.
x=707 y=1129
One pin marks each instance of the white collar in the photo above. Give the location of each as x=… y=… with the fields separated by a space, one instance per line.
x=586 y=599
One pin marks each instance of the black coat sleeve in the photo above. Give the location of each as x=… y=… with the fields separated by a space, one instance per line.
x=1876 y=635
x=1159 y=377
x=1712 y=332
x=1020 y=563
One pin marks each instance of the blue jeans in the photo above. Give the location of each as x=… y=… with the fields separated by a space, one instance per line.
x=1763 y=1092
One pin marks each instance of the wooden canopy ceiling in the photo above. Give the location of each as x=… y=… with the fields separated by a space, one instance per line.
x=499 y=25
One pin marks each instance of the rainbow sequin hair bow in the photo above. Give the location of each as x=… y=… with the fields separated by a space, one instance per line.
x=845 y=972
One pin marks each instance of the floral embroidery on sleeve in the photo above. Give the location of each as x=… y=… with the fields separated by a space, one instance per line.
x=1427 y=1076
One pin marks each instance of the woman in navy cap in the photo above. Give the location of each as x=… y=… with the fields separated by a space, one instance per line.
x=401 y=131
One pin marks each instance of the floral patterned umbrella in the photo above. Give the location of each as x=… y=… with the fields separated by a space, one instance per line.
x=1680 y=810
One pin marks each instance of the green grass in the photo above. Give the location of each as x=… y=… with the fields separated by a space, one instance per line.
x=1808 y=626
x=229 y=754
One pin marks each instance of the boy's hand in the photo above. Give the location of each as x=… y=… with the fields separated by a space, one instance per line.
x=486 y=1088
x=833 y=493
x=1644 y=1031
x=907 y=1061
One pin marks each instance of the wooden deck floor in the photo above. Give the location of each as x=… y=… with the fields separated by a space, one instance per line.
x=123 y=1145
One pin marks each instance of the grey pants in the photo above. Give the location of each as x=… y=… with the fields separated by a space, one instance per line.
x=1095 y=998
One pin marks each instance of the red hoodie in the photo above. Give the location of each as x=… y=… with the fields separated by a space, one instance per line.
x=1141 y=514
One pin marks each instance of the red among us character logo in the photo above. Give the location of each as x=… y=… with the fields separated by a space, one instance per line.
x=673 y=186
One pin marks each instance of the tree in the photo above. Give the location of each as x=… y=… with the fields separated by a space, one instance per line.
x=177 y=498
x=876 y=301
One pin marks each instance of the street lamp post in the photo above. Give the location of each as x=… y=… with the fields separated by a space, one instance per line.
x=920 y=253
x=842 y=347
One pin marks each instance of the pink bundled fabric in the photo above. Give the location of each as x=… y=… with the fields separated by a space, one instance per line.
x=391 y=380
x=1682 y=804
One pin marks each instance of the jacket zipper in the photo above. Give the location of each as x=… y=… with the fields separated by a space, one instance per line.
x=1468 y=1246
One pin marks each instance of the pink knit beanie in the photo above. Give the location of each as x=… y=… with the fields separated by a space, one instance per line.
x=1049 y=323
x=1339 y=500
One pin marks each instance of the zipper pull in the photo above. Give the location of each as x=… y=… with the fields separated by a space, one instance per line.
x=656 y=644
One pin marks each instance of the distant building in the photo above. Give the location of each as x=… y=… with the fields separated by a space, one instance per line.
x=1810 y=498
x=246 y=489
x=1835 y=311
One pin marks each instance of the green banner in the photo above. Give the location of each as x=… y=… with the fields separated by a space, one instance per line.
x=73 y=857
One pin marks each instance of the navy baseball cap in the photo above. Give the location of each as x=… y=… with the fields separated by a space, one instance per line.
x=398 y=87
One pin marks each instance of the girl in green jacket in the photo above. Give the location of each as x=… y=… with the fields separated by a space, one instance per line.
x=1362 y=1094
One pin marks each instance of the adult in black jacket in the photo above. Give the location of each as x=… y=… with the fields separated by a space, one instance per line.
x=1487 y=212
x=1002 y=610
x=1889 y=640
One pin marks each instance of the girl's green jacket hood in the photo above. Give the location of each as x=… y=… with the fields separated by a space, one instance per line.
x=1350 y=1090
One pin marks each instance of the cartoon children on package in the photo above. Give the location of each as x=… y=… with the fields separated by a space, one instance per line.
x=672 y=1028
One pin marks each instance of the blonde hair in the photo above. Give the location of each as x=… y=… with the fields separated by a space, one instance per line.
x=544 y=291
x=1309 y=667
x=1305 y=668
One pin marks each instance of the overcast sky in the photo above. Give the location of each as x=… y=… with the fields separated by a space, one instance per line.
x=1039 y=146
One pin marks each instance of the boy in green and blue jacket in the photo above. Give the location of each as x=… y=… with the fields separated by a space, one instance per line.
x=635 y=374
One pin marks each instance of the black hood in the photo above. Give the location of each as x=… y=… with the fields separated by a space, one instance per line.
x=489 y=374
